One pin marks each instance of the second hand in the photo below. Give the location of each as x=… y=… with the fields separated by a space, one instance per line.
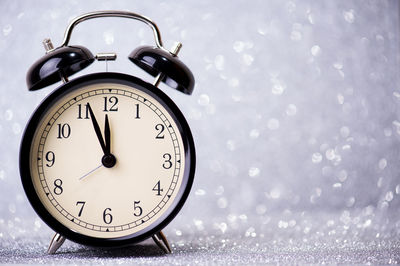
x=91 y=171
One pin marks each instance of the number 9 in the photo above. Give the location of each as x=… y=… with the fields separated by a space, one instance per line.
x=50 y=158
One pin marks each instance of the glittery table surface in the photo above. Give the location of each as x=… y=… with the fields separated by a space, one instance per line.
x=295 y=115
x=278 y=238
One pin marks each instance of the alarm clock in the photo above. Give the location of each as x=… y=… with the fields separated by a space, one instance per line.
x=107 y=159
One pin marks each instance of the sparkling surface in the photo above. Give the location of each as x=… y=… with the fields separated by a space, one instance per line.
x=295 y=116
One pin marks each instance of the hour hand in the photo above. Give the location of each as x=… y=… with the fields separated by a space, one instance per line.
x=107 y=136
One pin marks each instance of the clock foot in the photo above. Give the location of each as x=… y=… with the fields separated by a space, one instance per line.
x=55 y=243
x=162 y=242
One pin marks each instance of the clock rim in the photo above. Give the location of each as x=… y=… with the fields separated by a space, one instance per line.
x=159 y=96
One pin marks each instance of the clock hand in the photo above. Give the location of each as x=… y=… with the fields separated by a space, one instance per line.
x=97 y=129
x=91 y=171
x=107 y=136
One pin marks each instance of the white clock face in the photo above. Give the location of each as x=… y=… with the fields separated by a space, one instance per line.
x=66 y=161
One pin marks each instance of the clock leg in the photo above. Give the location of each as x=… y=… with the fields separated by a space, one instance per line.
x=55 y=243
x=162 y=242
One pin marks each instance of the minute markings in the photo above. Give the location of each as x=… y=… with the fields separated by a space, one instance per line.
x=175 y=153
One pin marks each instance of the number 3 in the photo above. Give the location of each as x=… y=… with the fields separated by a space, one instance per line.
x=167 y=163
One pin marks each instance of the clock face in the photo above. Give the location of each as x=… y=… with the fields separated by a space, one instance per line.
x=145 y=186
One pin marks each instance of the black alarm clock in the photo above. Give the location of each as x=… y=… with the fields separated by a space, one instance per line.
x=107 y=159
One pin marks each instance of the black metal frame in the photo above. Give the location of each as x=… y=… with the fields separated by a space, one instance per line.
x=165 y=101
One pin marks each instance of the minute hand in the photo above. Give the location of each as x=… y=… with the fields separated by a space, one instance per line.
x=97 y=129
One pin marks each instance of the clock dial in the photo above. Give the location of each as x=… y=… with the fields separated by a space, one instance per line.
x=129 y=195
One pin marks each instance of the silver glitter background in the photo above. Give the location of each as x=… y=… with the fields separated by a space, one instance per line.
x=295 y=114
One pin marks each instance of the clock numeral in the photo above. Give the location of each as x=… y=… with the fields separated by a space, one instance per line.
x=83 y=205
x=113 y=101
x=107 y=217
x=167 y=163
x=137 y=210
x=158 y=188
x=64 y=131
x=160 y=127
x=50 y=158
x=80 y=112
x=58 y=187
x=137 y=111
